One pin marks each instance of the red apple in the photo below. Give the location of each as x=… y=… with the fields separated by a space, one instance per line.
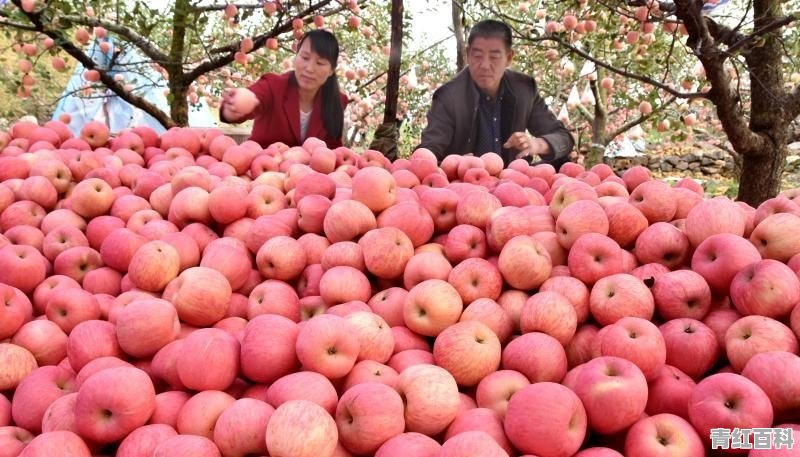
x=669 y=392
x=386 y=251
x=752 y=335
x=594 y=256
x=637 y=340
x=200 y=295
x=154 y=265
x=37 y=392
x=524 y=262
x=728 y=400
x=546 y=419
x=186 y=446
x=209 y=359
x=374 y=187
x=620 y=295
x=144 y=440
x=431 y=306
x=681 y=293
x=62 y=443
x=44 y=339
x=663 y=243
x=468 y=350
x=691 y=346
x=550 y=313
x=538 y=356
x=22 y=267
x=288 y=424
x=719 y=257
x=145 y=326
x=328 y=345
x=496 y=389
x=465 y=241
x=303 y=385
x=368 y=415
x=241 y=428
x=613 y=391
x=114 y=402
x=409 y=443
x=431 y=398
x=767 y=288
x=469 y=443
x=663 y=435
x=655 y=200
x=773 y=237
x=714 y=216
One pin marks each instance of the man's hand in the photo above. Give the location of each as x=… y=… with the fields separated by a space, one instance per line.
x=238 y=104
x=527 y=145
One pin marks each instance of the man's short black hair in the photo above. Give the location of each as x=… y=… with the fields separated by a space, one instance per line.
x=490 y=28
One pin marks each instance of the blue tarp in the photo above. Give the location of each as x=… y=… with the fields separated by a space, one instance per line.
x=103 y=105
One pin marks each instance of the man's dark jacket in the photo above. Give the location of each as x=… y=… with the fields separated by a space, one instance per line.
x=453 y=118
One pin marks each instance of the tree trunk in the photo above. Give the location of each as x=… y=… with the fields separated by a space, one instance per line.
x=458 y=30
x=178 y=86
x=396 y=50
x=762 y=169
x=761 y=176
x=600 y=139
x=178 y=102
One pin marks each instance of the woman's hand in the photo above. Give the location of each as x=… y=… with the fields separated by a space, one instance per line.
x=238 y=104
x=527 y=145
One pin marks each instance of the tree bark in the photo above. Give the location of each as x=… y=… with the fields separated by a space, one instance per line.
x=760 y=136
x=178 y=86
x=458 y=30
x=395 y=53
x=600 y=139
x=762 y=167
x=761 y=176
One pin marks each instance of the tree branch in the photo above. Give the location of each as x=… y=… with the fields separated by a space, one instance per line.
x=222 y=6
x=724 y=97
x=746 y=41
x=105 y=77
x=625 y=73
x=285 y=27
x=147 y=47
x=14 y=25
x=642 y=118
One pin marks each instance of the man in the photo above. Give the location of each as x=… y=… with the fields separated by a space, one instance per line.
x=487 y=107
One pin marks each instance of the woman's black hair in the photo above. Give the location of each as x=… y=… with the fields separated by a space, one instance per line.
x=324 y=43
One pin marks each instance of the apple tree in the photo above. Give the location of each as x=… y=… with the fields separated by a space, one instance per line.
x=677 y=65
x=198 y=47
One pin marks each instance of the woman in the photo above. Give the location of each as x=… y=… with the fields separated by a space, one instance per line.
x=296 y=105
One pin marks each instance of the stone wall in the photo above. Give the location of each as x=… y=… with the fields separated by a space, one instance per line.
x=695 y=163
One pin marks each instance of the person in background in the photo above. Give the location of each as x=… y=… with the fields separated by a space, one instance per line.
x=302 y=103
x=489 y=108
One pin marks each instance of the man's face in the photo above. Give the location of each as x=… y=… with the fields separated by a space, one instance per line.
x=488 y=59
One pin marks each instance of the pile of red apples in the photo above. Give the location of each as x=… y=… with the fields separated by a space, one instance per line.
x=183 y=295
